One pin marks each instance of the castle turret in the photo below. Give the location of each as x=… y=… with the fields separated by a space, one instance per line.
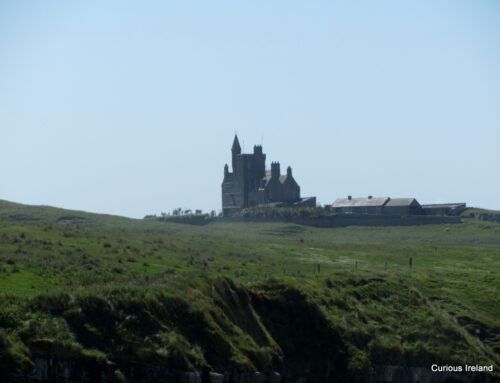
x=236 y=150
x=275 y=170
x=257 y=149
x=289 y=171
x=226 y=170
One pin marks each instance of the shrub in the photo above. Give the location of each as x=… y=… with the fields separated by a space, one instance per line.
x=54 y=303
x=8 y=319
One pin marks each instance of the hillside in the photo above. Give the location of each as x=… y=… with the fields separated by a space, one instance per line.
x=130 y=299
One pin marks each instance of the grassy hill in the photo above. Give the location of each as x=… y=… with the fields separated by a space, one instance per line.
x=98 y=288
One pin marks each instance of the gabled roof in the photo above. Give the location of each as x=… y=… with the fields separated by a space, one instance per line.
x=283 y=178
x=360 y=202
x=401 y=202
x=267 y=178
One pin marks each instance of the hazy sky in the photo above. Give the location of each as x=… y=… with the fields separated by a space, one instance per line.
x=130 y=108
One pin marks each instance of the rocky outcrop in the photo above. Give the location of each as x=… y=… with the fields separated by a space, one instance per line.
x=67 y=370
x=48 y=369
x=401 y=374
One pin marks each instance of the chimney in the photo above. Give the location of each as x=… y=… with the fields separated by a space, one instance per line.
x=275 y=170
x=257 y=149
x=289 y=171
x=349 y=197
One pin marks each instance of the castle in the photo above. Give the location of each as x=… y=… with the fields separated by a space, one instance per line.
x=250 y=184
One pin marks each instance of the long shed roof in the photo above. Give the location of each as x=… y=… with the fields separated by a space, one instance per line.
x=444 y=205
x=360 y=202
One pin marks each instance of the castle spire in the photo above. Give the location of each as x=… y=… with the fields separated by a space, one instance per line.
x=236 y=148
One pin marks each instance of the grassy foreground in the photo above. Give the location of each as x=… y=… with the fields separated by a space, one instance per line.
x=240 y=295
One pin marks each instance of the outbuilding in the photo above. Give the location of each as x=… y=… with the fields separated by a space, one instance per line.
x=402 y=206
x=444 y=208
x=369 y=205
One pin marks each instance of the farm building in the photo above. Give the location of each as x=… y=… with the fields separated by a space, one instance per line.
x=377 y=205
x=443 y=209
x=402 y=206
x=393 y=206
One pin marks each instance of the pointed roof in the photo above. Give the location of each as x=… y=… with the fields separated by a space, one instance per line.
x=236 y=145
x=402 y=202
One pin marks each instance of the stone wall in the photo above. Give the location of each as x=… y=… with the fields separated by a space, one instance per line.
x=354 y=220
x=327 y=221
x=489 y=217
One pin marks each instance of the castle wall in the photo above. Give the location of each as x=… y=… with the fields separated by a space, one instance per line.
x=232 y=193
x=256 y=198
x=232 y=199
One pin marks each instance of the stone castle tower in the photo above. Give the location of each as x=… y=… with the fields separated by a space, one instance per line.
x=249 y=184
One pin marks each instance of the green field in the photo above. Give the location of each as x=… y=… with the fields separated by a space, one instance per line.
x=238 y=295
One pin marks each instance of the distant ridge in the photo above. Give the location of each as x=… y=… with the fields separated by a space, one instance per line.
x=13 y=211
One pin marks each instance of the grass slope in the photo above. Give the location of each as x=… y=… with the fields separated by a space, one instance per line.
x=246 y=287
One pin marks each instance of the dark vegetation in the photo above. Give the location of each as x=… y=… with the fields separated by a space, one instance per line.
x=117 y=291
x=283 y=212
x=261 y=212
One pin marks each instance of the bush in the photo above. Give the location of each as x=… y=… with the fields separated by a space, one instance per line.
x=54 y=303
x=384 y=350
x=9 y=319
